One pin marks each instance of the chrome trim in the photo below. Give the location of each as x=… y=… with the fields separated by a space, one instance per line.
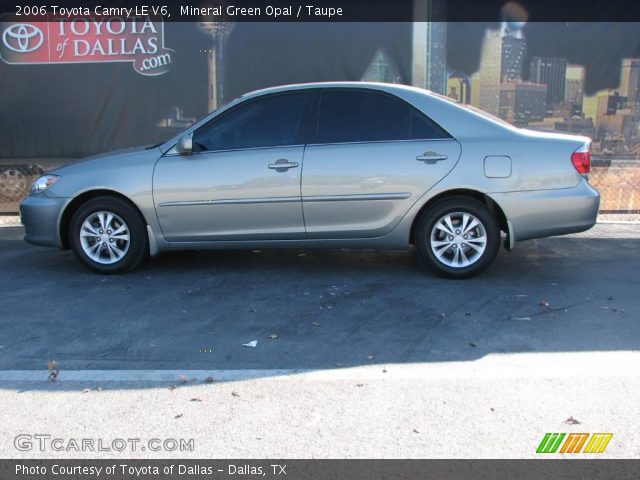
x=400 y=140
x=314 y=198
x=171 y=153
x=230 y=201
x=357 y=197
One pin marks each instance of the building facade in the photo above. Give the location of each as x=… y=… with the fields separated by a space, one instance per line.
x=630 y=81
x=574 y=86
x=552 y=73
x=429 y=56
x=501 y=60
x=522 y=102
x=459 y=87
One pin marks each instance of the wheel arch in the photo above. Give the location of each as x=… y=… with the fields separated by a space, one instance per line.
x=493 y=207
x=73 y=206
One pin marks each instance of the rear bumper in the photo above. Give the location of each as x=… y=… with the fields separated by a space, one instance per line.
x=40 y=215
x=543 y=213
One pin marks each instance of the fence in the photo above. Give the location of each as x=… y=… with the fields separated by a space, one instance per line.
x=15 y=181
x=617 y=180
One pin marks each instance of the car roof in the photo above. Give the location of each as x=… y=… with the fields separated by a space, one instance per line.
x=460 y=122
x=390 y=87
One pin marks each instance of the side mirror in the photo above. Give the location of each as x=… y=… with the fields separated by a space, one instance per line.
x=185 y=145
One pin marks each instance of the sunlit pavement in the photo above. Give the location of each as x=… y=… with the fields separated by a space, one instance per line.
x=371 y=357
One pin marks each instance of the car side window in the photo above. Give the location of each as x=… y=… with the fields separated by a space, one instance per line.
x=264 y=122
x=356 y=116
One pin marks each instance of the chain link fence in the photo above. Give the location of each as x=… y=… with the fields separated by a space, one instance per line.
x=617 y=180
x=15 y=181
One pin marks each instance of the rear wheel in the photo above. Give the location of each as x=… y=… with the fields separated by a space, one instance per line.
x=457 y=237
x=108 y=235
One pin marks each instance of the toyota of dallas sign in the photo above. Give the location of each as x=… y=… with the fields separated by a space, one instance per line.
x=87 y=39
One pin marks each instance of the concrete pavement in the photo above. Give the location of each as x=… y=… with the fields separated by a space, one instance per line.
x=374 y=357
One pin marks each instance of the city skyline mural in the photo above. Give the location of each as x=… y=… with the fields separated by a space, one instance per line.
x=576 y=78
x=564 y=77
x=537 y=87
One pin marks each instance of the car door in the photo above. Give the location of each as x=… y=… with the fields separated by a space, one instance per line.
x=242 y=180
x=371 y=156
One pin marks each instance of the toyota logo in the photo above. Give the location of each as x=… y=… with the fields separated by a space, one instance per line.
x=23 y=38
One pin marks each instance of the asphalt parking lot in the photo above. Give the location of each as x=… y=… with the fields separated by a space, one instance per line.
x=327 y=307
x=550 y=331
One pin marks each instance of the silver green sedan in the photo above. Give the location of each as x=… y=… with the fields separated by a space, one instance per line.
x=349 y=165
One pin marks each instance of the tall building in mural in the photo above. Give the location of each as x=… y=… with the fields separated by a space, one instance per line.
x=429 y=49
x=522 y=102
x=552 y=73
x=382 y=69
x=486 y=81
x=219 y=31
x=459 y=87
x=574 y=85
x=630 y=81
x=514 y=48
x=501 y=60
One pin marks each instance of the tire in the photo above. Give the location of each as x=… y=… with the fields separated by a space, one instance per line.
x=108 y=235
x=457 y=253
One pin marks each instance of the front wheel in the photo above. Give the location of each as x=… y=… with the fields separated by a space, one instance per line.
x=457 y=237
x=108 y=235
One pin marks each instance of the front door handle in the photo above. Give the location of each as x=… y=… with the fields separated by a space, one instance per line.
x=431 y=157
x=283 y=165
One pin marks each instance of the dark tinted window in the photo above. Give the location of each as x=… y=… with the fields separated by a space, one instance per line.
x=268 y=122
x=350 y=116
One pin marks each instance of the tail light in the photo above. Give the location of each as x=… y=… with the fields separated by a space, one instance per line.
x=581 y=159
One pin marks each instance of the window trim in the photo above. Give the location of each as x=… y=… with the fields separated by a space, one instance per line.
x=303 y=129
x=312 y=136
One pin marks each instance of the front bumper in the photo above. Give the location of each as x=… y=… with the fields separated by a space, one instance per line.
x=543 y=213
x=40 y=216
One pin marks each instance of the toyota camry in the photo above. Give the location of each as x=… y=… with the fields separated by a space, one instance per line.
x=348 y=165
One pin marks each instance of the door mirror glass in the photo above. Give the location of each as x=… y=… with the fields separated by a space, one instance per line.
x=185 y=145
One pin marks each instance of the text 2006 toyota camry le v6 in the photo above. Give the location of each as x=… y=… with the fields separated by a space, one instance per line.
x=322 y=165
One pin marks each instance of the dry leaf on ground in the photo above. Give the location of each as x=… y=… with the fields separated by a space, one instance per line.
x=54 y=371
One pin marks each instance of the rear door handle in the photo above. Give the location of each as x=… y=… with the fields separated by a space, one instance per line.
x=282 y=165
x=431 y=157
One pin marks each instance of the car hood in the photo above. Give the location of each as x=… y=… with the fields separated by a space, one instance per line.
x=114 y=156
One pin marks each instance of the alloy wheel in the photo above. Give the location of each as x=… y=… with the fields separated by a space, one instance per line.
x=458 y=239
x=104 y=237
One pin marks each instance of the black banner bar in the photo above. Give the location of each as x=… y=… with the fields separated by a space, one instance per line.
x=123 y=469
x=338 y=10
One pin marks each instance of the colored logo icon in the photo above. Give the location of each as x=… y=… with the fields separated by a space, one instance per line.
x=574 y=443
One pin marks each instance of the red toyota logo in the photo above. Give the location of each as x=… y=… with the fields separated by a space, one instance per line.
x=87 y=39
